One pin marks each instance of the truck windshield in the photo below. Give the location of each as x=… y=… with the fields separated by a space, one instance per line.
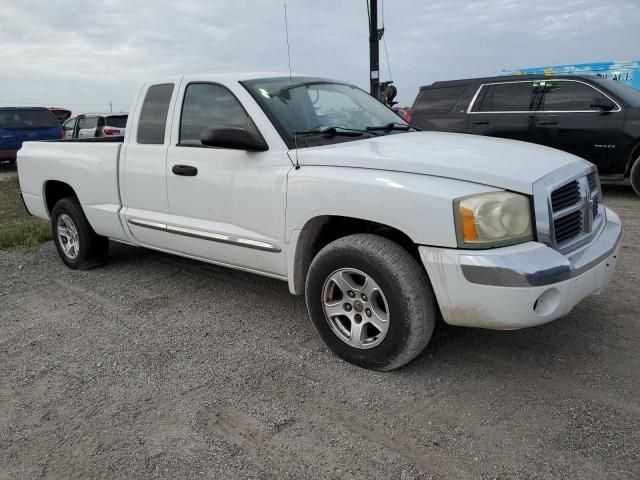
x=320 y=112
x=27 y=118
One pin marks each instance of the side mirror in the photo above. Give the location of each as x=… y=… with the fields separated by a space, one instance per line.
x=602 y=103
x=233 y=137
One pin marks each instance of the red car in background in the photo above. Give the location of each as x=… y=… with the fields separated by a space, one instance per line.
x=405 y=112
x=61 y=114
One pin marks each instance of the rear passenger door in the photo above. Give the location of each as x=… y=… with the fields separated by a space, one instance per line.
x=567 y=121
x=143 y=180
x=435 y=109
x=505 y=110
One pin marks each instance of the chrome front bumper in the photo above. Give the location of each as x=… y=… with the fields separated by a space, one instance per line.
x=522 y=285
x=542 y=266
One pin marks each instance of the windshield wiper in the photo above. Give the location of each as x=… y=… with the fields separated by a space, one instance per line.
x=389 y=127
x=337 y=131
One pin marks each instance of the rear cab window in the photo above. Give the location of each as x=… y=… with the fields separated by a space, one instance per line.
x=153 y=116
x=439 y=99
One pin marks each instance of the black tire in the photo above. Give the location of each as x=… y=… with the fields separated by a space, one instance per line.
x=408 y=293
x=634 y=176
x=92 y=249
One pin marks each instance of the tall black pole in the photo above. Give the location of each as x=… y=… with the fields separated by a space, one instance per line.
x=374 y=50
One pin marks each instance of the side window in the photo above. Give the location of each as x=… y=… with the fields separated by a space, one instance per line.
x=438 y=100
x=208 y=106
x=484 y=99
x=505 y=97
x=153 y=116
x=69 y=125
x=568 y=96
x=81 y=122
x=90 y=122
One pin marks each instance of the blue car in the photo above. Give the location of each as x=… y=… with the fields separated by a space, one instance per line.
x=20 y=124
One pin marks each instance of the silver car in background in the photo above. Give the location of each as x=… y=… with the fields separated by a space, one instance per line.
x=91 y=125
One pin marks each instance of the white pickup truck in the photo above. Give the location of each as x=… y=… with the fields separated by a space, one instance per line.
x=314 y=182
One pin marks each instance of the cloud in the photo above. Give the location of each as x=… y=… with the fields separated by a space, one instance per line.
x=83 y=53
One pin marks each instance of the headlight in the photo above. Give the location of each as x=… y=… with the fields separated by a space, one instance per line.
x=493 y=219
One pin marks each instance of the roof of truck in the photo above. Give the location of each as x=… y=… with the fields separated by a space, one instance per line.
x=231 y=76
x=249 y=75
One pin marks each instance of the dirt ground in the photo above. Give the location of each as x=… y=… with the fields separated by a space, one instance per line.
x=158 y=367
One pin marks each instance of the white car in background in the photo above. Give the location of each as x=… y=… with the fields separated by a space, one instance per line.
x=91 y=125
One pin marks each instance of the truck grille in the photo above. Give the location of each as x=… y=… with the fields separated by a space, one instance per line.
x=568 y=226
x=592 y=179
x=575 y=208
x=565 y=196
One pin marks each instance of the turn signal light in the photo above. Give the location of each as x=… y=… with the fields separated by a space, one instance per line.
x=469 y=231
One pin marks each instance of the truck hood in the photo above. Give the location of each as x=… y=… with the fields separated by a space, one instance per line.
x=506 y=164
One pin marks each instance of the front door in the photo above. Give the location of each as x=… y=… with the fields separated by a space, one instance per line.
x=226 y=205
x=505 y=110
x=567 y=121
x=86 y=127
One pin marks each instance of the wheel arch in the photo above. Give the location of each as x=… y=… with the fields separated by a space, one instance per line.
x=321 y=230
x=54 y=191
x=635 y=155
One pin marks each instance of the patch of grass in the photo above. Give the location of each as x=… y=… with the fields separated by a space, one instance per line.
x=17 y=228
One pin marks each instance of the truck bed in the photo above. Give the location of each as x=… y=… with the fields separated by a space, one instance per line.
x=88 y=166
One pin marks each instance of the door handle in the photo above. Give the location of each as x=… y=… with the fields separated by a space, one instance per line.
x=550 y=122
x=481 y=122
x=185 y=170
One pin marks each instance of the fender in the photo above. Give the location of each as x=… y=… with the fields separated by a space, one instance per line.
x=418 y=206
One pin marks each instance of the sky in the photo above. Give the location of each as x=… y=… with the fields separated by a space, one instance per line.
x=84 y=54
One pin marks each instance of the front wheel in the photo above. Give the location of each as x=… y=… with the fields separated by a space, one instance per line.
x=370 y=301
x=78 y=245
x=634 y=176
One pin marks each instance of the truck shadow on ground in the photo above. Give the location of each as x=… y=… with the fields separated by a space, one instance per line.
x=573 y=337
x=619 y=191
x=7 y=168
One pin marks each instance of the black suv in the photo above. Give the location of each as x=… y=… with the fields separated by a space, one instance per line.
x=591 y=117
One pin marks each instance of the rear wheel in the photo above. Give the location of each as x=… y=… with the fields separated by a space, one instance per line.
x=370 y=301
x=634 y=176
x=78 y=245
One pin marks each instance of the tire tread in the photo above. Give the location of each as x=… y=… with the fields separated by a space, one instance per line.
x=408 y=274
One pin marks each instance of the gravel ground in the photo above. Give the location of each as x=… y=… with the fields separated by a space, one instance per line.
x=158 y=367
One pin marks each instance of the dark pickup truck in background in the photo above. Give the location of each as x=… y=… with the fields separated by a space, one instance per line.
x=593 y=118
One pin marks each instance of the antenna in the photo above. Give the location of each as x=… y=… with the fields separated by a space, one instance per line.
x=293 y=111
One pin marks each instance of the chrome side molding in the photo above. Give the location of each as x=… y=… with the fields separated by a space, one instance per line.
x=205 y=235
